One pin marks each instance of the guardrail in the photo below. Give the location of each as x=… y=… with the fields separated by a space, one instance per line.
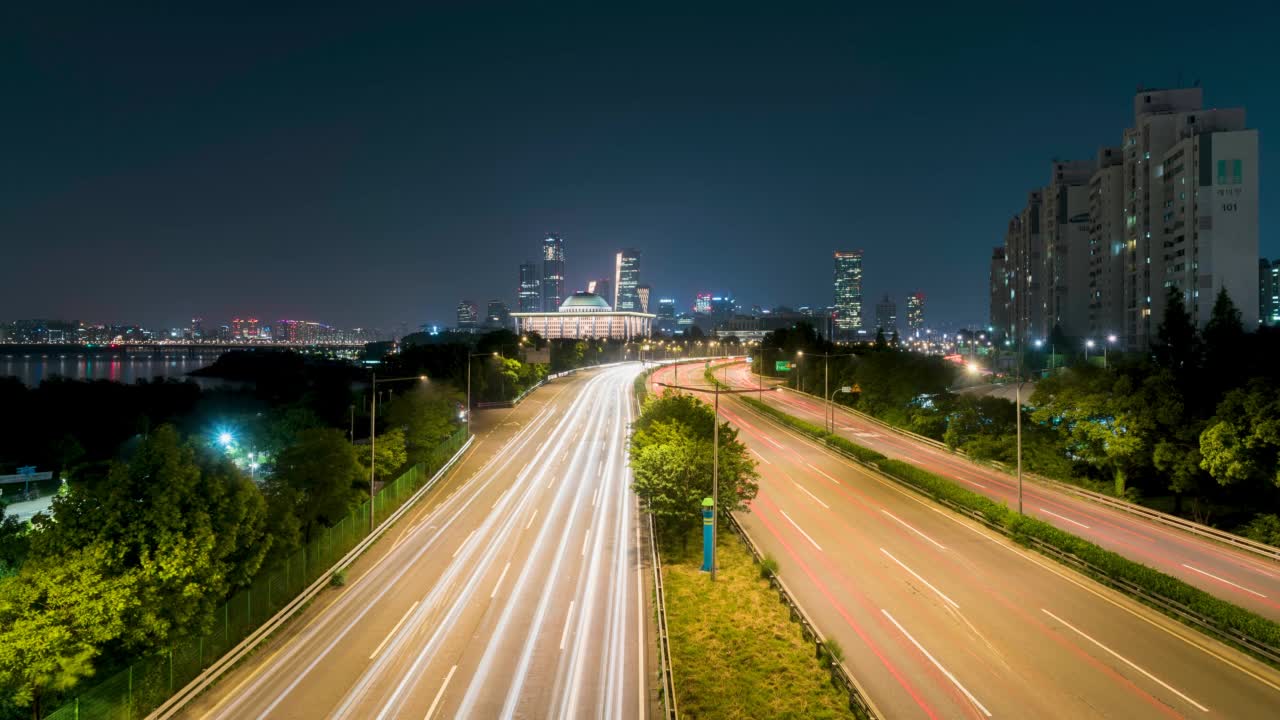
x=664 y=643
x=859 y=702
x=1168 y=606
x=1211 y=533
x=210 y=674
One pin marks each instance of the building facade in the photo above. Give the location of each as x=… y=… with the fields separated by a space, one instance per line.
x=915 y=314
x=887 y=315
x=497 y=315
x=552 y=273
x=626 y=278
x=1269 y=293
x=586 y=315
x=848 y=292
x=1175 y=206
x=529 y=296
x=468 y=316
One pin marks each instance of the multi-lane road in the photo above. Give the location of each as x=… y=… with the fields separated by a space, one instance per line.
x=517 y=590
x=941 y=618
x=1237 y=576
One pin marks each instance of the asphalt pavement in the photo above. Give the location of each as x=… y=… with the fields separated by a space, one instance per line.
x=941 y=618
x=517 y=590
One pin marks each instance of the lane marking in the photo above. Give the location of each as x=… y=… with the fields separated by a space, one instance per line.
x=904 y=524
x=799 y=529
x=903 y=565
x=464 y=543
x=762 y=458
x=771 y=440
x=584 y=543
x=1125 y=660
x=938 y=665
x=500 y=579
x=1215 y=577
x=500 y=496
x=823 y=474
x=1060 y=517
x=531 y=517
x=972 y=482
x=568 y=616
x=431 y=710
x=594 y=493
x=815 y=497
x=393 y=630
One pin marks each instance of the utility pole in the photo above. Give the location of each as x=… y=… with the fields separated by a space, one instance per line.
x=715 y=483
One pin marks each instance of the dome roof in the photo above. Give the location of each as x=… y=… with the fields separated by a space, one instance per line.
x=584 y=302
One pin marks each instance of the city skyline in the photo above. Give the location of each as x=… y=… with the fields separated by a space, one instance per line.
x=409 y=166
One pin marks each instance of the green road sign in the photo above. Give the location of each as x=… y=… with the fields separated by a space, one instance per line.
x=781 y=365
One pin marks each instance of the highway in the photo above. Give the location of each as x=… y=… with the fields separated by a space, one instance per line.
x=517 y=590
x=1234 y=575
x=941 y=618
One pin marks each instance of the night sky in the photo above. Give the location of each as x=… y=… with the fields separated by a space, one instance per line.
x=373 y=165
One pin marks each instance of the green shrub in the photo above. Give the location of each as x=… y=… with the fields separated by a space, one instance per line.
x=339 y=578
x=768 y=567
x=835 y=651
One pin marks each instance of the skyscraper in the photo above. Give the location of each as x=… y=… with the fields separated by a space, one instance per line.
x=552 y=273
x=915 y=313
x=497 y=315
x=667 y=308
x=529 y=298
x=468 y=316
x=602 y=287
x=848 y=291
x=999 y=293
x=642 y=295
x=702 y=303
x=626 y=276
x=887 y=315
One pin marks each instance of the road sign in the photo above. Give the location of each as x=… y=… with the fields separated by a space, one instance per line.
x=781 y=366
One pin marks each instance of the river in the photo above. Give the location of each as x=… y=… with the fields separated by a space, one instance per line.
x=33 y=368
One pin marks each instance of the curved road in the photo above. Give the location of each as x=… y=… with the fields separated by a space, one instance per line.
x=941 y=618
x=521 y=594
x=1239 y=577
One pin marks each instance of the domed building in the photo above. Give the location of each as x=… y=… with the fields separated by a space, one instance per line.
x=585 y=315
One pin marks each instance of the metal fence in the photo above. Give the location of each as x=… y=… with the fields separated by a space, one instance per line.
x=149 y=681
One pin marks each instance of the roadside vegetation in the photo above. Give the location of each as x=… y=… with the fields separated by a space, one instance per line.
x=735 y=651
x=1191 y=428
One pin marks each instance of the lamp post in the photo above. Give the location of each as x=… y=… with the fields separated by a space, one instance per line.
x=799 y=374
x=1088 y=345
x=829 y=423
x=715 y=461
x=1110 y=339
x=373 y=430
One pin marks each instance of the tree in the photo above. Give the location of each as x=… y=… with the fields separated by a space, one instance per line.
x=320 y=476
x=1177 y=345
x=389 y=455
x=57 y=616
x=428 y=416
x=13 y=543
x=671 y=457
x=1241 y=444
x=192 y=528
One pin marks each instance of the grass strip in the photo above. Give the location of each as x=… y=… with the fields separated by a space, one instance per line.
x=735 y=651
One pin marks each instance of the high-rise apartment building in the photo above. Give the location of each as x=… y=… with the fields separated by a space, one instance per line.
x=1106 y=244
x=552 y=273
x=702 y=303
x=1269 y=293
x=626 y=277
x=998 y=281
x=848 y=292
x=915 y=313
x=468 y=316
x=529 y=297
x=887 y=315
x=1175 y=206
x=1066 y=246
x=667 y=308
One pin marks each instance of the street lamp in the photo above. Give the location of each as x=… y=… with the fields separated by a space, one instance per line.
x=1088 y=345
x=373 y=430
x=799 y=374
x=1110 y=340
